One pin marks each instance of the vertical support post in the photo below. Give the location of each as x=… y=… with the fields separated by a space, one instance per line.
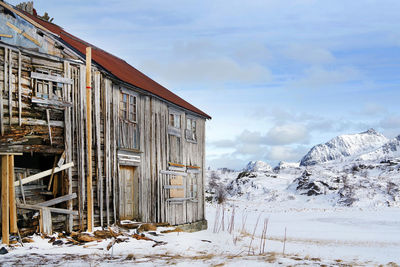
x=10 y=84
x=2 y=92
x=19 y=89
x=11 y=195
x=5 y=211
x=89 y=138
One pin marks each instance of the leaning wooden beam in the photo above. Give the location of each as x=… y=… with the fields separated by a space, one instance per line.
x=22 y=188
x=11 y=195
x=5 y=211
x=52 y=173
x=6 y=35
x=48 y=125
x=53 y=210
x=89 y=138
x=57 y=200
x=22 y=15
x=43 y=174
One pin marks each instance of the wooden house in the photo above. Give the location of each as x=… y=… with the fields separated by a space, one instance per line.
x=88 y=140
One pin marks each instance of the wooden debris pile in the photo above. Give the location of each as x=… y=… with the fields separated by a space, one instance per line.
x=116 y=234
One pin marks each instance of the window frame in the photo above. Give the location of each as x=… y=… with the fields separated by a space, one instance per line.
x=55 y=89
x=127 y=117
x=191 y=134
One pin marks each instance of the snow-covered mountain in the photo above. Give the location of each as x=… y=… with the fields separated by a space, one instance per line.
x=389 y=150
x=344 y=146
x=257 y=166
x=360 y=170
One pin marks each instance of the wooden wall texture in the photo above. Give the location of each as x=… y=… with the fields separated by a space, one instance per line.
x=25 y=121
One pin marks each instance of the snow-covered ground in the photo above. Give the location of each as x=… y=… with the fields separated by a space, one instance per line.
x=313 y=237
x=341 y=208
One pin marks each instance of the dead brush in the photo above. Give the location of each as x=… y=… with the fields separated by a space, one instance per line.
x=216 y=220
x=222 y=226
x=254 y=232
x=263 y=240
x=242 y=231
x=231 y=225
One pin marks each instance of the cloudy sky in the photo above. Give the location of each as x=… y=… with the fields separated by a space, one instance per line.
x=276 y=76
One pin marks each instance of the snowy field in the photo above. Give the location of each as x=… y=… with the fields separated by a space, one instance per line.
x=345 y=236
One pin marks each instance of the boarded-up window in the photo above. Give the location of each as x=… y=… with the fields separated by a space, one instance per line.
x=176 y=192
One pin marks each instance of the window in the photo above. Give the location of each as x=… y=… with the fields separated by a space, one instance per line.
x=193 y=186
x=190 y=129
x=128 y=128
x=45 y=88
x=175 y=120
x=128 y=107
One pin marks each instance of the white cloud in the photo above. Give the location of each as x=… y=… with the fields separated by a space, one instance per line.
x=390 y=122
x=287 y=134
x=206 y=71
x=286 y=153
x=309 y=54
x=318 y=77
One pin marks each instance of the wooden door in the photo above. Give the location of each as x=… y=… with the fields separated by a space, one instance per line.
x=128 y=193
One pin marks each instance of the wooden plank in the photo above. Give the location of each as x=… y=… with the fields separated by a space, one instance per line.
x=50 y=102
x=53 y=210
x=13 y=208
x=46 y=226
x=173 y=173
x=115 y=116
x=81 y=122
x=15 y=28
x=89 y=138
x=22 y=15
x=52 y=173
x=48 y=125
x=51 y=78
x=57 y=200
x=67 y=154
x=5 y=211
x=6 y=35
x=107 y=159
x=21 y=187
x=32 y=39
x=19 y=89
x=43 y=174
x=2 y=91
x=10 y=85
x=97 y=123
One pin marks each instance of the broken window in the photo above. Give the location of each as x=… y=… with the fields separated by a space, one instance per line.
x=45 y=88
x=175 y=120
x=190 y=131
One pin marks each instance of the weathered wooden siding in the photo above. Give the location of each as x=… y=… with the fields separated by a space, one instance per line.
x=25 y=124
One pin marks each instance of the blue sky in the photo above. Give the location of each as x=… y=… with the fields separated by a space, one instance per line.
x=276 y=76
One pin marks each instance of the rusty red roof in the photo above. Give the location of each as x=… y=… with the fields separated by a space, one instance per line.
x=118 y=67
